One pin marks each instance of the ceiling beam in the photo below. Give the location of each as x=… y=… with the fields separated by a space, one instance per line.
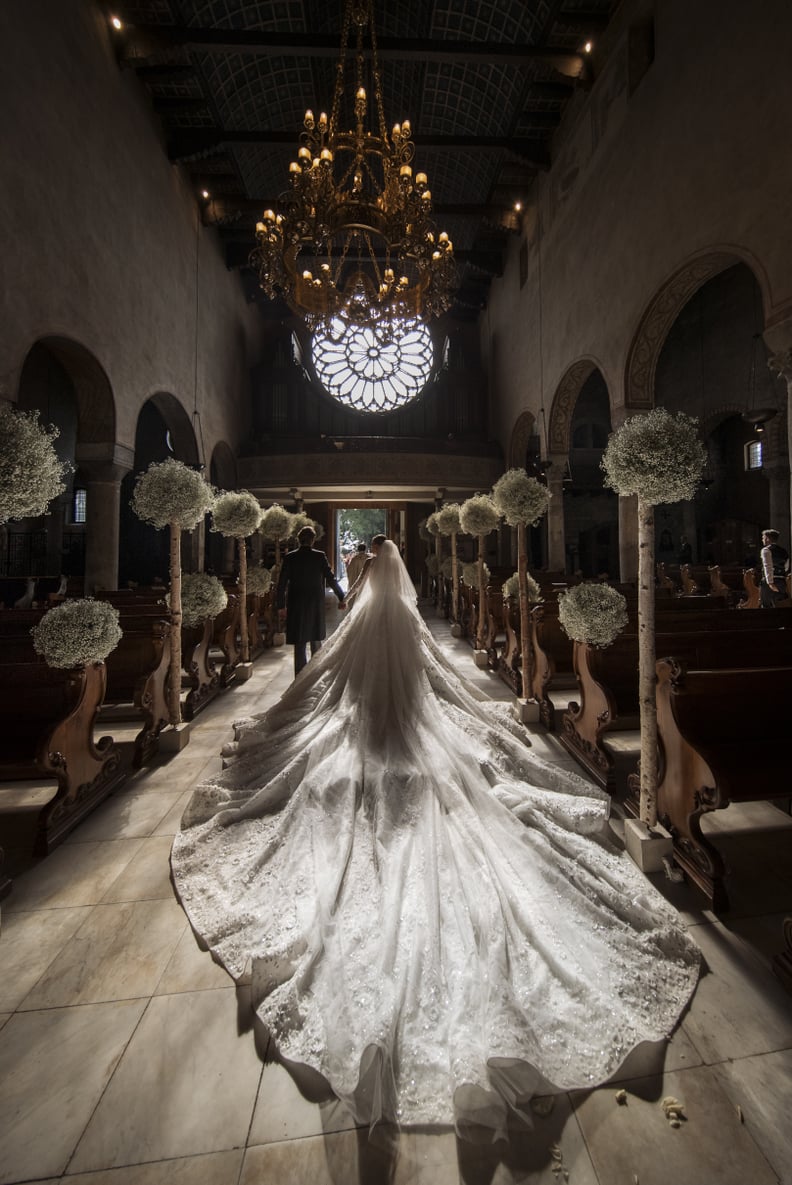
x=142 y=40
x=186 y=143
x=225 y=205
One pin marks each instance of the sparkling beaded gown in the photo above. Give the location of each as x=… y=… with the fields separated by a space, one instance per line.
x=433 y=917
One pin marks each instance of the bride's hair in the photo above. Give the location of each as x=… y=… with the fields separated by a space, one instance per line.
x=379 y=540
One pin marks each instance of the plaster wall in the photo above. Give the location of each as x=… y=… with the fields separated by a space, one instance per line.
x=692 y=161
x=100 y=231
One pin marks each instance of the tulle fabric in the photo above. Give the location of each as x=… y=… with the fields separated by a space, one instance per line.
x=433 y=916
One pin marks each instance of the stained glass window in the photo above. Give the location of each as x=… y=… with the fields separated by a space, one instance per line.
x=371 y=369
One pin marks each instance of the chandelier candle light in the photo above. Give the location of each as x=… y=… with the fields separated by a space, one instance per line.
x=354 y=240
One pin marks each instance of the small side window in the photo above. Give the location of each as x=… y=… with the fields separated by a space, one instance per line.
x=79 y=499
x=753 y=454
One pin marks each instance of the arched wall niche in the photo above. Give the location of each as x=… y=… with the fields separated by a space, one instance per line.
x=179 y=426
x=663 y=310
x=562 y=408
x=522 y=433
x=222 y=468
x=96 y=413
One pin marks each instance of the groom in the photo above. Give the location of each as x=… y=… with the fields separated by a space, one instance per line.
x=301 y=587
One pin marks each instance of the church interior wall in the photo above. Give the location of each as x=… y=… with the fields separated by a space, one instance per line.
x=643 y=181
x=101 y=232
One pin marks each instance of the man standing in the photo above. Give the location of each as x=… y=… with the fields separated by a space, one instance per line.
x=300 y=596
x=356 y=564
x=775 y=561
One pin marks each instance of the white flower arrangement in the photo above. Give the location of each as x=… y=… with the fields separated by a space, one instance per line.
x=446 y=567
x=77 y=633
x=202 y=596
x=447 y=518
x=511 y=587
x=520 y=499
x=478 y=515
x=259 y=581
x=432 y=565
x=423 y=532
x=433 y=526
x=658 y=456
x=592 y=613
x=31 y=474
x=470 y=575
x=236 y=513
x=276 y=523
x=300 y=520
x=169 y=492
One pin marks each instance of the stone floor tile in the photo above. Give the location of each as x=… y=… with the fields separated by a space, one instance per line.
x=284 y=1112
x=635 y=1140
x=54 y=1066
x=119 y=953
x=185 y=1086
x=191 y=969
x=147 y=875
x=739 y=1008
x=651 y=1058
x=172 y=821
x=28 y=944
x=215 y=1168
x=184 y=772
x=764 y=935
x=125 y=815
x=4 y=1017
x=331 y=1160
x=762 y=1087
x=74 y=874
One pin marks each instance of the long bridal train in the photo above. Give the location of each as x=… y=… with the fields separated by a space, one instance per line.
x=434 y=917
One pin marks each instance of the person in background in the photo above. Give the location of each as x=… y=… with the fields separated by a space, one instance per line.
x=775 y=564
x=300 y=597
x=356 y=564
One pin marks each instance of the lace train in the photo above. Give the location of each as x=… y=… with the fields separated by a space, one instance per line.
x=434 y=917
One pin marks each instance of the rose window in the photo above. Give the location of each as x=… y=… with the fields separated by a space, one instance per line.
x=373 y=369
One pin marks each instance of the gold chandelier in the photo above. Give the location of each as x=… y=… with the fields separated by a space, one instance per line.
x=353 y=239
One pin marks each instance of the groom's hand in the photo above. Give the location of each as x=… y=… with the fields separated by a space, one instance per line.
x=342 y=604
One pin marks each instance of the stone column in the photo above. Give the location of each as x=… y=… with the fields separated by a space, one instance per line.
x=104 y=468
x=777 y=473
x=556 y=537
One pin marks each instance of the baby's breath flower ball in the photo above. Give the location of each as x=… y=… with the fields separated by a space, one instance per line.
x=31 y=474
x=446 y=567
x=77 y=633
x=658 y=456
x=170 y=492
x=300 y=520
x=478 y=515
x=276 y=523
x=432 y=525
x=592 y=613
x=470 y=575
x=236 y=514
x=511 y=587
x=448 y=519
x=259 y=581
x=519 y=498
x=202 y=596
x=432 y=565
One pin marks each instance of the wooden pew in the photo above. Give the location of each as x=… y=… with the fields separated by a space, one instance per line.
x=225 y=639
x=724 y=738
x=137 y=676
x=201 y=669
x=608 y=679
x=48 y=732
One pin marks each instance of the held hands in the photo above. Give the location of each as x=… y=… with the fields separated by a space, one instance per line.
x=342 y=604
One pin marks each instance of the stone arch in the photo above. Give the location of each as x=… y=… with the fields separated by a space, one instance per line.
x=663 y=310
x=222 y=468
x=564 y=400
x=522 y=432
x=96 y=412
x=179 y=425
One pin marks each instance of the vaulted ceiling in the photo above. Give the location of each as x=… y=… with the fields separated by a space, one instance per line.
x=484 y=83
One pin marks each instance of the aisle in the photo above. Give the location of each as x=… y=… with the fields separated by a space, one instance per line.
x=126 y=1056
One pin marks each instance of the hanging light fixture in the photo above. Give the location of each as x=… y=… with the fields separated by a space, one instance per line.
x=353 y=241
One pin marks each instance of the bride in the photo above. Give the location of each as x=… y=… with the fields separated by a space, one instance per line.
x=433 y=917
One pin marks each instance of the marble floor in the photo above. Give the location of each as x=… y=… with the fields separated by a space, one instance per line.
x=127 y=1057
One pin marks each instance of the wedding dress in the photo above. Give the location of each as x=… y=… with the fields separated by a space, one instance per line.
x=433 y=917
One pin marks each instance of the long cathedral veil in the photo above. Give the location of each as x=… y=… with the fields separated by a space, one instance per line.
x=435 y=917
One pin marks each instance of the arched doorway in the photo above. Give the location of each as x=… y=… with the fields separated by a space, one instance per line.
x=163 y=430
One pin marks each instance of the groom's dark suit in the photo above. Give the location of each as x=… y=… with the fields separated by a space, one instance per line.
x=301 y=590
